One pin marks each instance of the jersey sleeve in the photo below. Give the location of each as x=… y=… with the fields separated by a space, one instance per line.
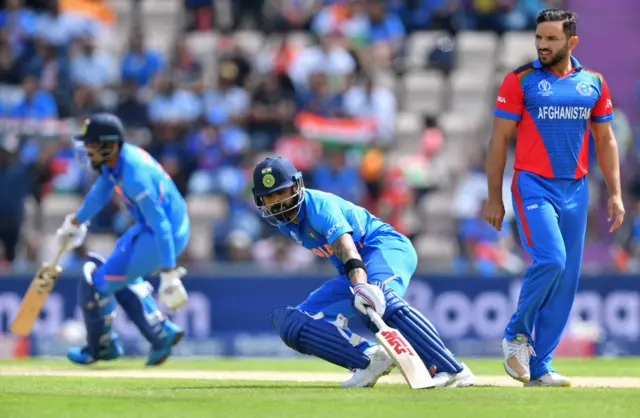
x=95 y=200
x=149 y=203
x=510 y=101
x=329 y=221
x=603 y=110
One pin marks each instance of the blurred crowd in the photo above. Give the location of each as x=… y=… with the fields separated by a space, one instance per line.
x=322 y=105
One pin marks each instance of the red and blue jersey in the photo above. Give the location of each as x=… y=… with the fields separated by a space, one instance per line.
x=553 y=115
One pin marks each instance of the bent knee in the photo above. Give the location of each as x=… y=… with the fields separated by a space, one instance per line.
x=553 y=263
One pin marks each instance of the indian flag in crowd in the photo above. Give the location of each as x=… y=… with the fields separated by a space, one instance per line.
x=347 y=131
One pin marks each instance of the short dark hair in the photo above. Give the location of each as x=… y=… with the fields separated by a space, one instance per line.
x=568 y=19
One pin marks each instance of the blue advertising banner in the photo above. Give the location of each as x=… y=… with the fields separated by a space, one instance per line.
x=229 y=316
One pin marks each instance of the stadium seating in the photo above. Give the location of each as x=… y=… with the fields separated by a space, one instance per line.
x=460 y=101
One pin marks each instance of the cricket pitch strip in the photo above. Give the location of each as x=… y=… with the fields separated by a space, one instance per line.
x=265 y=376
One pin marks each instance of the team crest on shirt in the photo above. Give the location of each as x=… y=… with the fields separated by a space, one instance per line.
x=312 y=235
x=584 y=88
x=544 y=88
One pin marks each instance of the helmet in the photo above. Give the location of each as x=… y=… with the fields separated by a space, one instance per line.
x=103 y=130
x=272 y=175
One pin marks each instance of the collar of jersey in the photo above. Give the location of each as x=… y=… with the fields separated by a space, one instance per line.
x=303 y=209
x=576 y=64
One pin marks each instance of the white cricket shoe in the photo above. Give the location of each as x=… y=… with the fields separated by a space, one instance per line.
x=516 y=357
x=381 y=365
x=551 y=379
x=458 y=380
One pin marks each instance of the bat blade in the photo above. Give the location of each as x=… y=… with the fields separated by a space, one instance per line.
x=406 y=359
x=34 y=299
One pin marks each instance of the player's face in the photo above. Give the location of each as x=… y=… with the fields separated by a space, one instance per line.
x=95 y=155
x=552 y=44
x=280 y=204
x=99 y=155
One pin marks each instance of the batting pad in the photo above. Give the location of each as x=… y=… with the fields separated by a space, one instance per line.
x=98 y=311
x=141 y=309
x=417 y=329
x=316 y=337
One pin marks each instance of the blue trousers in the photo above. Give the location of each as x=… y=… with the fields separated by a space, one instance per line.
x=393 y=262
x=552 y=220
x=135 y=255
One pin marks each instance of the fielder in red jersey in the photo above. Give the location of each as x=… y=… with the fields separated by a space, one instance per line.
x=553 y=102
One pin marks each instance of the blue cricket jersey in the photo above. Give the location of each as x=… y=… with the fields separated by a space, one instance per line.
x=323 y=217
x=149 y=194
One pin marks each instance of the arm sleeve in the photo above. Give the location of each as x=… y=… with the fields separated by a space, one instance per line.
x=147 y=201
x=510 y=101
x=330 y=222
x=603 y=110
x=95 y=200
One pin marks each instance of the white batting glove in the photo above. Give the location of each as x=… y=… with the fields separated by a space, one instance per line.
x=369 y=296
x=172 y=292
x=70 y=236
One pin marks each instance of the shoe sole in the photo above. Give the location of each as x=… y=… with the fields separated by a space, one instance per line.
x=519 y=379
x=176 y=339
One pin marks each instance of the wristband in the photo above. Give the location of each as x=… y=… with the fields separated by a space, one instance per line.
x=353 y=264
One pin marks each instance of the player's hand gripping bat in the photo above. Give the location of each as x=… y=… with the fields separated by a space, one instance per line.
x=36 y=295
x=402 y=353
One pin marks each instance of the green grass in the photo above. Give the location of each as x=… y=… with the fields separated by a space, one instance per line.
x=73 y=397
x=80 y=398
x=486 y=366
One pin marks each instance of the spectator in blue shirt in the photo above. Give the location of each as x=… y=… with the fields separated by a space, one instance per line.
x=335 y=175
x=20 y=24
x=91 y=67
x=385 y=36
x=215 y=150
x=36 y=104
x=61 y=29
x=418 y=14
x=384 y=26
x=140 y=64
x=318 y=99
x=174 y=105
x=483 y=250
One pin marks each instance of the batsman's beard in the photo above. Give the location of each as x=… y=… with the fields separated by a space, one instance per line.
x=282 y=211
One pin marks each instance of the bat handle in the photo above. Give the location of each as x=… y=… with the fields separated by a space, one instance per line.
x=61 y=250
x=376 y=319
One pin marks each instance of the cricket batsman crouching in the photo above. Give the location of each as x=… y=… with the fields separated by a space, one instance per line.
x=553 y=102
x=374 y=263
x=159 y=235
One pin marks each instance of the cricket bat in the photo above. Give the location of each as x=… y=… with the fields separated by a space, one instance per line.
x=36 y=295
x=404 y=356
